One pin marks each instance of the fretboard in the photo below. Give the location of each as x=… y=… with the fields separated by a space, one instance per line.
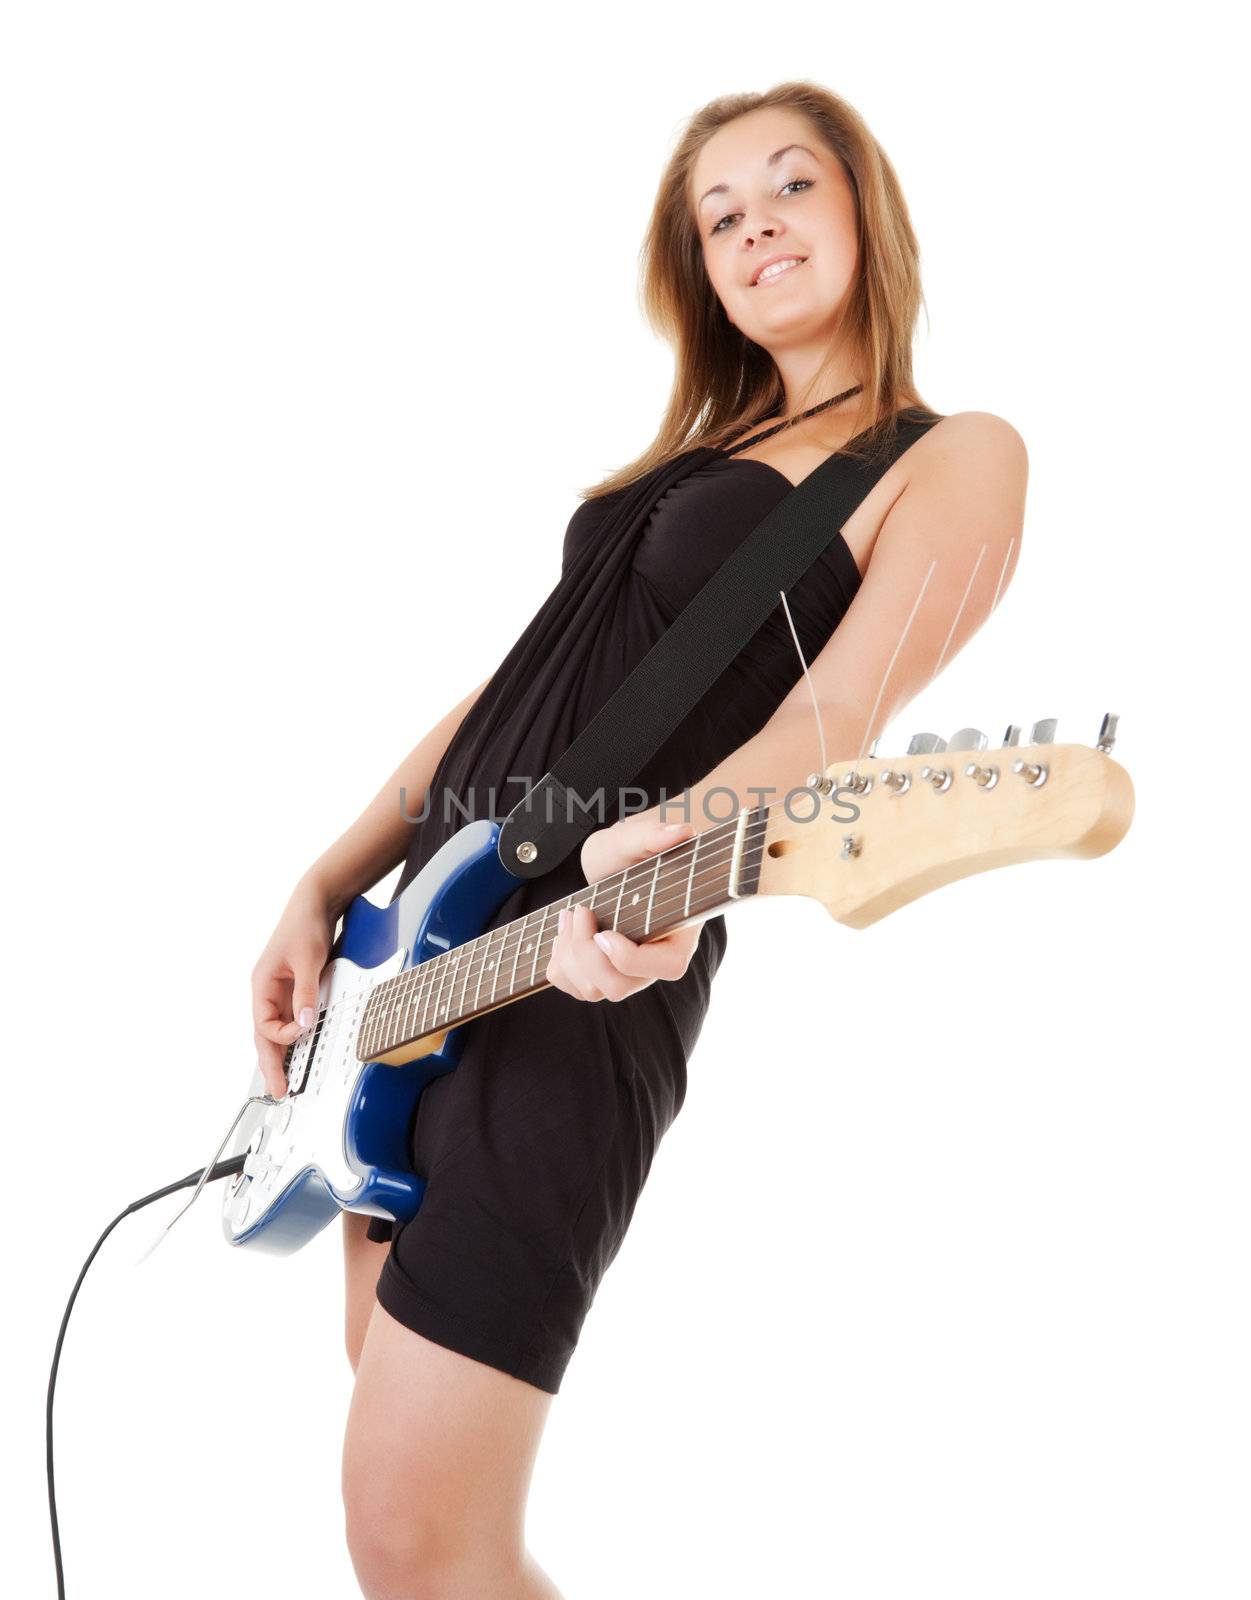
x=689 y=881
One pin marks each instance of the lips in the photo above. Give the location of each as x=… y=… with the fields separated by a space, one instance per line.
x=793 y=259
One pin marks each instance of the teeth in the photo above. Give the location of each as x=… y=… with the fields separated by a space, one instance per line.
x=779 y=266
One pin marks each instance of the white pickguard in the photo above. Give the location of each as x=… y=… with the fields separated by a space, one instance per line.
x=305 y=1128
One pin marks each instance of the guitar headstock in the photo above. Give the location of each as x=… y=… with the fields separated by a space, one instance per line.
x=945 y=809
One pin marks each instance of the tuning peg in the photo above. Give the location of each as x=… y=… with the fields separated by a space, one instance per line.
x=1034 y=772
x=1012 y=736
x=939 y=777
x=1107 y=732
x=925 y=744
x=967 y=739
x=1043 y=732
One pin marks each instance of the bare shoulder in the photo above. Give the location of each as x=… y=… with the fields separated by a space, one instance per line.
x=979 y=442
x=965 y=488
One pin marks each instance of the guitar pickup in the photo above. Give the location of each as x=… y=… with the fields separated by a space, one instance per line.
x=302 y=1061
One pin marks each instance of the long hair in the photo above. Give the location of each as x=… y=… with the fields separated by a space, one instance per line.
x=723 y=381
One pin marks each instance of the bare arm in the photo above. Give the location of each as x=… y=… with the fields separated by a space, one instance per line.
x=285 y=979
x=947 y=548
x=380 y=836
x=946 y=552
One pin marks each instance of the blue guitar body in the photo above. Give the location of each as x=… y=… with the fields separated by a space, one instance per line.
x=338 y=1139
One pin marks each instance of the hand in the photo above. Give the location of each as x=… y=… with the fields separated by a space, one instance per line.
x=607 y=965
x=286 y=978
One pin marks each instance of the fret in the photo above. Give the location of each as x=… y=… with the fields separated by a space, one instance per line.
x=421 y=977
x=499 y=962
x=635 y=894
x=395 y=996
x=423 y=996
x=385 y=1001
x=464 y=963
x=616 y=910
x=534 y=965
x=690 y=878
x=407 y=1013
x=521 y=939
x=651 y=894
x=464 y=966
x=503 y=957
x=438 y=999
x=477 y=988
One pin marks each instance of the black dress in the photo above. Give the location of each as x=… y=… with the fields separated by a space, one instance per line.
x=537 y=1146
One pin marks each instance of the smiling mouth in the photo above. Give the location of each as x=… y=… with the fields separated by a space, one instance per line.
x=780 y=270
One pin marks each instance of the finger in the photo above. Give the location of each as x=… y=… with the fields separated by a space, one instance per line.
x=667 y=832
x=566 y=970
x=666 y=958
x=271 y=1017
x=305 y=994
x=282 y=1033
x=655 y=836
x=590 y=964
x=269 y=1059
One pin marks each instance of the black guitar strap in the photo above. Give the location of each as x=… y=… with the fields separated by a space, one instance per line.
x=690 y=655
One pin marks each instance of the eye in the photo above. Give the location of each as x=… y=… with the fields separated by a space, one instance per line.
x=802 y=183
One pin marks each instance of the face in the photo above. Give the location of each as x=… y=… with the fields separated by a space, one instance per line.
x=777 y=191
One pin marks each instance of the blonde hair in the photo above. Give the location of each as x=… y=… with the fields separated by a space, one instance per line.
x=723 y=381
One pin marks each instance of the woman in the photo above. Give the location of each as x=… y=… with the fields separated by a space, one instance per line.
x=782 y=266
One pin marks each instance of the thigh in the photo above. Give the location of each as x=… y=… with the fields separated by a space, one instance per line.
x=526 y=1147
x=438 y=1444
x=362 y=1262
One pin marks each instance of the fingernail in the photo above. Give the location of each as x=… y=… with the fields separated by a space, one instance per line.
x=672 y=827
x=604 y=942
x=562 y=919
x=305 y=1018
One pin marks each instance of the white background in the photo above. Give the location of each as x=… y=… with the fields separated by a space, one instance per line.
x=315 y=319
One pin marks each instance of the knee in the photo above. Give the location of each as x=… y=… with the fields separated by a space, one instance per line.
x=413 y=1559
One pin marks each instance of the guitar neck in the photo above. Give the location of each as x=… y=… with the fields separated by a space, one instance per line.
x=687 y=883
x=921 y=821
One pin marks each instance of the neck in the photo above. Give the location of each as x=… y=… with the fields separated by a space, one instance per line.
x=686 y=883
x=810 y=374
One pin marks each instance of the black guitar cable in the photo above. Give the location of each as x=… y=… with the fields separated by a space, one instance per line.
x=222 y=1169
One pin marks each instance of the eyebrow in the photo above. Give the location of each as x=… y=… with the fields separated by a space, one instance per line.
x=723 y=188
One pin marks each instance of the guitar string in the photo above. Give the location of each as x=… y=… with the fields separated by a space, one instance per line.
x=669 y=884
x=676 y=867
x=816 y=708
x=395 y=996
x=669 y=893
x=955 y=621
x=890 y=665
x=398 y=995
x=1003 y=571
x=406 y=988
x=397 y=1000
x=534 y=946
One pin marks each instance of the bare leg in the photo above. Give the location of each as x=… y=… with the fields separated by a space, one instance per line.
x=362 y=1262
x=437 y=1463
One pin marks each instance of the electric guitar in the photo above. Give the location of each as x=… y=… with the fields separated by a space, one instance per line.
x=403 y=980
